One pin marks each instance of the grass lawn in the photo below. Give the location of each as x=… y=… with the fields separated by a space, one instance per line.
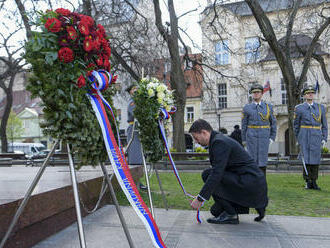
x=286 y=192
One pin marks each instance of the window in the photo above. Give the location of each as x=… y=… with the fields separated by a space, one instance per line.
x=167 y=67
x=119 y=115
x=190 y=114
x=222 y=94
x=221 y=53
x=284 y=95
x=252 y=53
x=188 y=65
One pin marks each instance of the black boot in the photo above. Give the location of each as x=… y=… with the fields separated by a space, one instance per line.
x=309 y=184
x=315 y=186
x=261 y=212
x=224 y=218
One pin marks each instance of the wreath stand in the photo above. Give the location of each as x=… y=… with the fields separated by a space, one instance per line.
x=135 y=132
x=76 y=199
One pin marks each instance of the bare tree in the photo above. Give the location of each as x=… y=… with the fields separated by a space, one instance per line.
x=12 y=64
x=293 y=80
x=281 y=24
x=177 y=81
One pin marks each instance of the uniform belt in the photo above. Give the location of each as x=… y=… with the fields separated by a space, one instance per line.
x=131 y=123
x=313 y=127
x=259 y=126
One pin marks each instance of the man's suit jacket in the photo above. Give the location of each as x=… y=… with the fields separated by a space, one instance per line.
x=234 y=175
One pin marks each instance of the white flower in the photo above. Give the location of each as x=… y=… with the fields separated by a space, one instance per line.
x=161 y=88
x=151 y=92
x=161 y=95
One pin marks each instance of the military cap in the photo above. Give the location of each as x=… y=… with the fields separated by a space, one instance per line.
x=308 y=89
x=256 y=88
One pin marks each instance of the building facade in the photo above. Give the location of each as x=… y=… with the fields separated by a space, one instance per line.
x=234 y=46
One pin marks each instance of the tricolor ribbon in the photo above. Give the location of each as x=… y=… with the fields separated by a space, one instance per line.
x=119 y=164
x=164 y=115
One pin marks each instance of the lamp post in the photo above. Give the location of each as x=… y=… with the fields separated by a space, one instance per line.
x=219 y=117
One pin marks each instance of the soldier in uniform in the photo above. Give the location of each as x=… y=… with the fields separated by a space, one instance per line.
x=258 y=127
x=234 y=180
x=311 y=131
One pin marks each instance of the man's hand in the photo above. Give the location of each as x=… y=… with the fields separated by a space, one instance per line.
x=244 y=143
x=324 y=142
x=196 y=204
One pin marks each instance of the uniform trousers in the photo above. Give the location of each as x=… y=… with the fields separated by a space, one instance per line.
x=312 y=170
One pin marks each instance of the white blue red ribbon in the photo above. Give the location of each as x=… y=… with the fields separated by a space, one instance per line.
x=164 y=115
x=118 y=161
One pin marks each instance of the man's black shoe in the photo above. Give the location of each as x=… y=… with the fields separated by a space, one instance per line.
x=224 y=218
x=261 y=212
x=315 y=186
x=309 y=185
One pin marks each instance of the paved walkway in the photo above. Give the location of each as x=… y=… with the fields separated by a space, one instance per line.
x=180 y=230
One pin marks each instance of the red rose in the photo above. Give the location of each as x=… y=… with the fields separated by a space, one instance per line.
x=88 y=44
x=62 y=11
x=97 y=44
x=53 y=25
x=81 y=82
x=91 y=66
x=106 y=64
x=87 y=19
x=83 y=28
x=65 y=55
x=72 y=33
x=114 y=79
x=108 y=51
x=100 y=30
x=99 y=60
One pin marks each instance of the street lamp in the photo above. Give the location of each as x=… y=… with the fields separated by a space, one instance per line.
x=219 y=116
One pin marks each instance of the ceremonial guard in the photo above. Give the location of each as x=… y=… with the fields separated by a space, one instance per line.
x=258 y=127
x=311 y=131
x=134 y=151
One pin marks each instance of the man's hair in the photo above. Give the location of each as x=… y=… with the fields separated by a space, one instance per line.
x=200 y=125
x=236 y=126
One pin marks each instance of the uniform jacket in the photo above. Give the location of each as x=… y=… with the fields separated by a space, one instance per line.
x=134 y=151
x=257 y=139
x=310 y=128
x=234 y=175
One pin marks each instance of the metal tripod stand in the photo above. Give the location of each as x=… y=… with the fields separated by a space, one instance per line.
x=135 y=133
x=76 y=200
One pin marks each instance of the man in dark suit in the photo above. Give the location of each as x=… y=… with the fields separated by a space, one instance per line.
x=234 y=180
x=236 y=134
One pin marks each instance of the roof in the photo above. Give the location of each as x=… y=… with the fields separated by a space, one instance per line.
x=193 y=75
x=242 y=9
x=299 y=43
x=21 y=100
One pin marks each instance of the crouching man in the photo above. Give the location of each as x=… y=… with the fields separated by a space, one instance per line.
x=234 y=180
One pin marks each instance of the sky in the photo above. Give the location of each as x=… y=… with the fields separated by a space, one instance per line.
x=188 y=22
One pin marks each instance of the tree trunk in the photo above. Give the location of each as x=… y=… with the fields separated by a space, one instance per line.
x=177 y=77
x=4 y=120
x=292 y=102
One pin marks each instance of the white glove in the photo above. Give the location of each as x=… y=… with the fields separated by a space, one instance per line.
x=323 y=143
x=271 y=141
